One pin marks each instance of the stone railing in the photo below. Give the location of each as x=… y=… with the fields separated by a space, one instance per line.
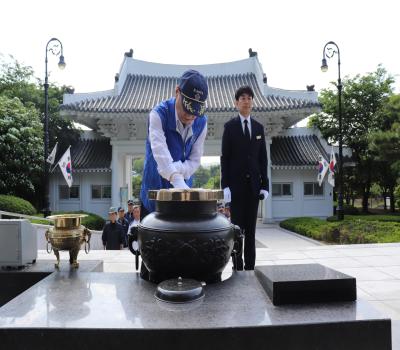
x=23 y=216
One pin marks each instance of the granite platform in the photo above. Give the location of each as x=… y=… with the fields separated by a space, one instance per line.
x=14 y=281
x=89 y=310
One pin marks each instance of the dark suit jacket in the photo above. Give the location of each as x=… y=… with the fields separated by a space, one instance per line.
x=241 y=160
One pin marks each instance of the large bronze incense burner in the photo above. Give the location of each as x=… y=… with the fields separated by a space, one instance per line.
x=67 y=234
x=185 y=237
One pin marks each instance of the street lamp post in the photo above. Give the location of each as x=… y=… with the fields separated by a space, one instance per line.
x=330 y=49
x=56 y=49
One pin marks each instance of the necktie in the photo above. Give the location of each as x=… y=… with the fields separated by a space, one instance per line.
x=246 y=130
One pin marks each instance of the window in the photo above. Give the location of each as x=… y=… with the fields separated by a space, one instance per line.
x=282 y=189
x=101 y=191
x=313 y=189
x=66 y=192
x=106 y=191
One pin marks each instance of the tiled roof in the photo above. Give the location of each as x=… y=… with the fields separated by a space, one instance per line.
x=303 y=150
x=141 y=93
x=286 y=151
x=90 y=155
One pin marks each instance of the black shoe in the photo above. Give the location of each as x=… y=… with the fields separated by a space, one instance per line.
x=238 y=266
x=235 y=269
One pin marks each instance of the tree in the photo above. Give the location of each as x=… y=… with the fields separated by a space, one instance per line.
x=138 y=165
x=21 y=148
x=213 y=183
x=391 y=112
x=136 y=185
x=363 y=102
x=385 y=147
x=19 y=81
x=201 y=177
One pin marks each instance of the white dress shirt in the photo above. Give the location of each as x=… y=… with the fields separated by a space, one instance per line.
x=165 y=164
x=242 y=119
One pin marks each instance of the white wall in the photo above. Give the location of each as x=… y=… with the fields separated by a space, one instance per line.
x=85 y=202
x=122 y=154
x=299 y=205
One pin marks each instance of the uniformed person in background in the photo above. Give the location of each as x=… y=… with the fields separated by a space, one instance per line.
x=113 y=234
x=124 y=223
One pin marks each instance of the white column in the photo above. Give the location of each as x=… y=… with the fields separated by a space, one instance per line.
x=128 y=172
x=267 y=215
x=81 y=184
x=86 y=191
x=114 y=177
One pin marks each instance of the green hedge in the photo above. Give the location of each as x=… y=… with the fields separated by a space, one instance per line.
x=16 y=205
x=350 y=210
x=92 y=221
x=370 y=217
x=357 y=229
x=310 y=227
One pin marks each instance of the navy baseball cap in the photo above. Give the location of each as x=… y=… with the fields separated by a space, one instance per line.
x=194 y=92
x=121 y=209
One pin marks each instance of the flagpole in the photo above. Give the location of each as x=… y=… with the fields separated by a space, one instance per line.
x=331 y=49
x=56 y=49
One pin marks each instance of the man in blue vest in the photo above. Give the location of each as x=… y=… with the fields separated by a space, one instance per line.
x=176 y=133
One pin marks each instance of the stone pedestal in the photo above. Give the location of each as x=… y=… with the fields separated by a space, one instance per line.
x=113 y=310
x=305 y=283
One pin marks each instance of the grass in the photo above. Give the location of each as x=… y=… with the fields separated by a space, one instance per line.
x=352 y=230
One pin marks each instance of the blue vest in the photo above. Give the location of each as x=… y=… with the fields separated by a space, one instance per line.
x=178 y=149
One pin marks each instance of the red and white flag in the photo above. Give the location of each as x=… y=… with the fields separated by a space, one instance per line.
x=323 y=166
x=65 y=164
x=331 y=173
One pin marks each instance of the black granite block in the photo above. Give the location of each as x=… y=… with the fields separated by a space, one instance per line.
x=375 y=335
x=305 y=283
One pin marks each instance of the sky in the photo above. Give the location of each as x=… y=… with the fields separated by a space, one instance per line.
x=289 y=36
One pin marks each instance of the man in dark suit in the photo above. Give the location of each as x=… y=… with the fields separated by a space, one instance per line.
x=244 y=172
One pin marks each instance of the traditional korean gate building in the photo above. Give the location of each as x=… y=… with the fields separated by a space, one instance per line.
x=102 y=160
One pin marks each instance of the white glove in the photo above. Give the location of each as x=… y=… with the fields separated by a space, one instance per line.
x=178 y=166
x=227 y=195
x=178 y=182
x=265 y=193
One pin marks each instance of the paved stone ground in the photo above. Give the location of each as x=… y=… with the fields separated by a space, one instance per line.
x=375 y=266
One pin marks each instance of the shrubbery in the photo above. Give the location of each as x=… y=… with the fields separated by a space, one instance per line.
x=16 y=205
x=310 y=227
x=92 y=221
x=350 y=210
x=356 y=229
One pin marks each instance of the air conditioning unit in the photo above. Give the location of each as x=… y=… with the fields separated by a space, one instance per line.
x=18 y=242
